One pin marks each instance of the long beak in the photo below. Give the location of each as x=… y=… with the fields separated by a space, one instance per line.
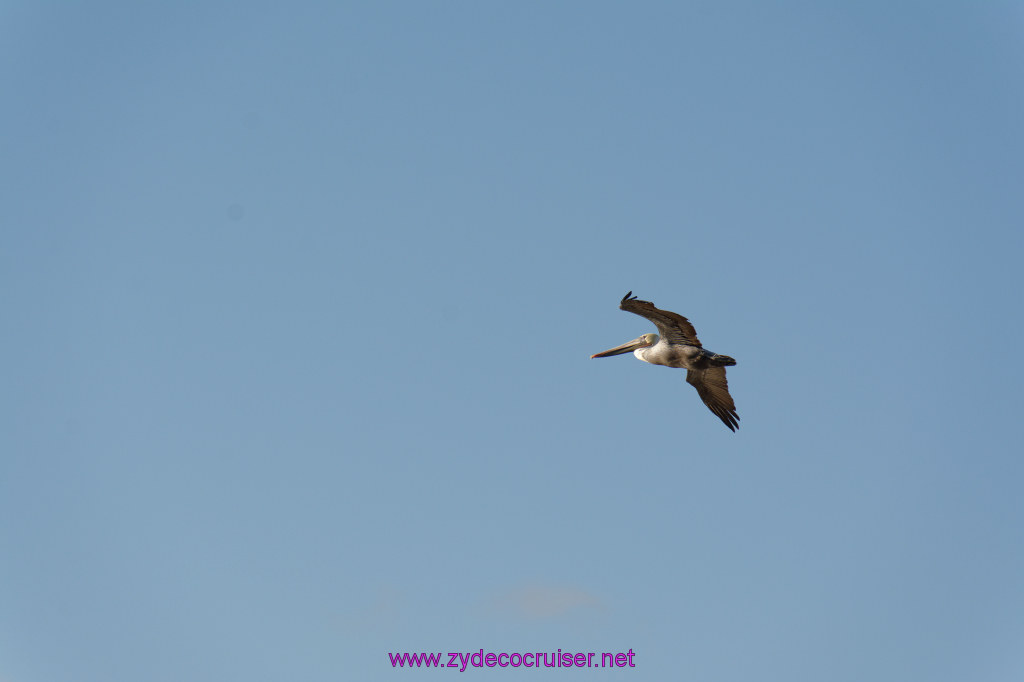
x=627 y=347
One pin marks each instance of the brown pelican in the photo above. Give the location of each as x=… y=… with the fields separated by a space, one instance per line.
x=678 y=346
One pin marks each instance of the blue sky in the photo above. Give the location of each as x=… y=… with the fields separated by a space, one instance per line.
x=299 y=300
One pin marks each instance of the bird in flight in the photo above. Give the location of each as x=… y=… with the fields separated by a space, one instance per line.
x=678 y=346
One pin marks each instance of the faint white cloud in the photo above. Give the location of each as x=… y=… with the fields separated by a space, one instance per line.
x=546 y=602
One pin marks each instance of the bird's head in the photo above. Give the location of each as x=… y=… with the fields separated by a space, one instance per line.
x=643 y=342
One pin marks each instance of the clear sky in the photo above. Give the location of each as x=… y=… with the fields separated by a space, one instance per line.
x=298 y=304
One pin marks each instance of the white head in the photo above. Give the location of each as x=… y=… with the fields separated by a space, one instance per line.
x=645 y=341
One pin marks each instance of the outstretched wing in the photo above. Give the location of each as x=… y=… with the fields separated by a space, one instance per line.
x=673 y=327
x=713 y=389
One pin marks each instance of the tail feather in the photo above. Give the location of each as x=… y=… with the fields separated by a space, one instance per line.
x=722 y=360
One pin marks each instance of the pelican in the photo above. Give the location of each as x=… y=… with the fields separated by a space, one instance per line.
x=678 y=346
